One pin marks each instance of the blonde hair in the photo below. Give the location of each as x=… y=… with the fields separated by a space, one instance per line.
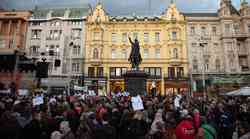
x=138 y=115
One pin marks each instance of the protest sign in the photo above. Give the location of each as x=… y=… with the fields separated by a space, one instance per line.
x=37 y=100
x=23 y=92
x=137 y=103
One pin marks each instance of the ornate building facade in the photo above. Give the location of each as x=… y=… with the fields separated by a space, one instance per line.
x=162 y=45
x=58 y=36
x=218 y=44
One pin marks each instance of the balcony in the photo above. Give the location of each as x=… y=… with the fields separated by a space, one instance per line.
x=240 y=36
x=175 y=62
x=95 y=77
x=176 y=78
x=174 y=42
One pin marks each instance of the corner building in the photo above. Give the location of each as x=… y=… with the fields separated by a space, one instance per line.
x=162 y=46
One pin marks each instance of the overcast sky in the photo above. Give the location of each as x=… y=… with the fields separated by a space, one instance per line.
x=120 y=7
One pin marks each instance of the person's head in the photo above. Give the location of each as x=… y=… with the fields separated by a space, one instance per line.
x=244 y=128
x=64 y=127
x=138 y=115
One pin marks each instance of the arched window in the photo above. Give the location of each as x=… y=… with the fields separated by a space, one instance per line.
x=95 y=53
x=175 y=53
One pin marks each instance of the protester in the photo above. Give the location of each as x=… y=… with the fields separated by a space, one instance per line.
x=120 y=116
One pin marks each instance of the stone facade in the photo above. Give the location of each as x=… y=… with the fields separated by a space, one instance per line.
x=163 y=48
x=59 y=35
x=218 y=42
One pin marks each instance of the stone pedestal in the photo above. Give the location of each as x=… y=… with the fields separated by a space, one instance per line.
x=135 y=82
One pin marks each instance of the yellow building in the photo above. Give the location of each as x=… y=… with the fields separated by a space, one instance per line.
x=162 y=45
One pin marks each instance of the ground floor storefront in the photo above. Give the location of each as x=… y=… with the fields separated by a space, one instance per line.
x=159 y=86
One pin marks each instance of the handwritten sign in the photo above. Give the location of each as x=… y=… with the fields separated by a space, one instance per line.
x=37 y=101
x=137 y=103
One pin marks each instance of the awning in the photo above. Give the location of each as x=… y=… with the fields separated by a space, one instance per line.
x=176 y=84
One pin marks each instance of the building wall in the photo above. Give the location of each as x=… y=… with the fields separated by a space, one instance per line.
x=13 y=27
x=112 y=42
x=68 y=48
x=229 y=45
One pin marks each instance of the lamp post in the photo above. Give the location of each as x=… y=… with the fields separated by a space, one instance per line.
x=202 y=45
x=70 y=67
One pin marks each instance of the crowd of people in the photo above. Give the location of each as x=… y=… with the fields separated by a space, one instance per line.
x=78 y=116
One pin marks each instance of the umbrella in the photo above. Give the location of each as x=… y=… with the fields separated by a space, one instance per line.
x=245 y=91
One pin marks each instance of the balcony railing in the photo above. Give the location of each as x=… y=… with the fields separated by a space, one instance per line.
x=176 y=78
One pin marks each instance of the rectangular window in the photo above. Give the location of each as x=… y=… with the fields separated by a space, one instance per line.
x=118 y=72
x=203 y=31
x=91 y=71
x=113 y=37
x=227 y=28
x=180 y=72
x=194 y=44
x=135 y=35
x=75 y=67
x=76 y=50
x=192 y=30
x=76 y=33
x=146 y=53
x=112 y=72
x=236 y=28
x=146 y=37
x=171 y=72
x=34 y=50
x=36 y=34
x=113 y=53
x=146 y=70
x=158 y=71
x=248 y=27
x=174 y=35
x=124 y=53
x=214 y=30
x=157 y=53
x=124 y=37
x=157 y=37
x=152 y=71
x=100 y=71
x=124 y=70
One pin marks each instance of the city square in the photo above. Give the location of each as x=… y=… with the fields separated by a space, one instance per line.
x=142 y=69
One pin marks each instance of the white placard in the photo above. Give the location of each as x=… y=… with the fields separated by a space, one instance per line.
x=23 y=92
x=137 y=103
x=37 y=100
x=177 y=101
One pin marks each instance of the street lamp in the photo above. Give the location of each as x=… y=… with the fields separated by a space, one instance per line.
x=203 y=68
x=71 y=44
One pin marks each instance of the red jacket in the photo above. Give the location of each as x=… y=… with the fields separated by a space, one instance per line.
x=185 y=130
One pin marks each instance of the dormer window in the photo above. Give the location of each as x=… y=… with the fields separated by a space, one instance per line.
x=98 y=19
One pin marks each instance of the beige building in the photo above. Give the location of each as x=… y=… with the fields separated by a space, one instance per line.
x=218 y=43
x=163 y=48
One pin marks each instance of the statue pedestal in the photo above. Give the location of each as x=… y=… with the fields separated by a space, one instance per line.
x=135 y=82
